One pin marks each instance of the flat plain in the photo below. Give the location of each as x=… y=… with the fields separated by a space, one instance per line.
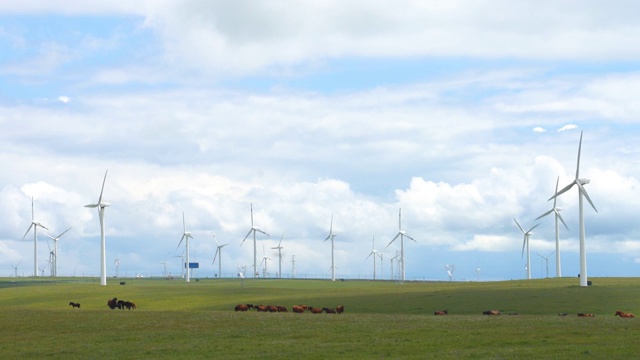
x=382 y=320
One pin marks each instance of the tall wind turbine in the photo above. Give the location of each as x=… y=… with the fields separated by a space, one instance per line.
x=55 y=250
x=279 y=248
x=373 y=253
x=331 y=236
x=582 y=193
x=218 y=251
x=103 y=253
x=255 y=250
x=556 y=210
x=34 y=224
x=526 y=242
x=401 y=234
x=186 y=235
x=15 y=268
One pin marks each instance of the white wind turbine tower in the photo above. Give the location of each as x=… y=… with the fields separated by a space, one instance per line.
x=218 y=251
x=264 y=260
x=374 y=254
x=526 y=242
x=381 y=265
x=164 y=266
x=402 y=234
x=55 y=250
x=546 y=262
x=34 y=224
x=556 y=210
x=449 y=269
x=117 y=264
x=103 y=253
x=255 y=251
x=279 y=248
x=582 y=193
x=331 y=236
x=186 y=235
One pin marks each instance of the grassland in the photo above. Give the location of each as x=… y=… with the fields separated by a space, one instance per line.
x=383 y=320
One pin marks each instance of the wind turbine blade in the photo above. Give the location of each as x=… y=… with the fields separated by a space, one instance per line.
x=102 y=189
x=586 y=195
x=282 y=237
x=251 y=214
x=32 y=216
x=394 y=239
x=534 y=226
x=405 y=235
x=519 y=227
x=331 y=226
x=562 y=220
x=399 y=219
x=260 y=231
x=555 y=199
x=245 y=238
x=42 y=226
x=214 y=256
x=564 y=189
x=547 y=213
x=578 y=165
x=182 y=238
x=184 y=224
x=64 y=232
x=29 y=229
x=523 y=243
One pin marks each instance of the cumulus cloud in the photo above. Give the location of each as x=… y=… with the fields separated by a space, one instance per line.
x=567 y=127
x=539 y=129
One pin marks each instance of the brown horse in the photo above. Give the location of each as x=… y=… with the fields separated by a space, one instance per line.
x=314 y=310
x=443 y=312
x=340 y=309
x=74 y=305
x=298 y=309
x=624 y=314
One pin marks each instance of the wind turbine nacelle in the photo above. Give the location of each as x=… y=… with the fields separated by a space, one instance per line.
x=584 y=181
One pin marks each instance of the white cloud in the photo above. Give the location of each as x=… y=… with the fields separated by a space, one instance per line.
x=568 y=127
x=539 y=129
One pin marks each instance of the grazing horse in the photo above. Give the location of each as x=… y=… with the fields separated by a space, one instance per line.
x=74 y=305
x=281 y=308
x=443 y=312
x=298 y=309
x=113 y=303
x=262 y=308
x=585 y=315
x=314 y=310
x=618 y=313
x=340 y=309
x=491 y=312
x=243 y=307
x=329 y=311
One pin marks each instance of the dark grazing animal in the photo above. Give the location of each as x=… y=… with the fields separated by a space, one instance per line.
x=340 y=309
x=442 y=312
x=298 y=309
x=314 y=310
x=113 y=303
x=74 y=305
x=618 y=313
x=491 y=312
x=281 y=308
x=585 y=315
x=329 y=311
x=243 y=307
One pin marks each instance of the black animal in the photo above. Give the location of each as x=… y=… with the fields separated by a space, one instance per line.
x=74 y=305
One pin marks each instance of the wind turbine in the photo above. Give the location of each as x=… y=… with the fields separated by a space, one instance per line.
x=402 y=234
x=556 y=210
x=526 y=242
x=264 y=260
x=255 y=251
x=164 y=263
x=546 y=261
x=374 y=254
x=103 y=253
x=218 y=251
x=15 y=268
x=449 y=269
x=117 y=264
x=331 y=236
x=186 y=235
x=279 y=248
x=582 y=193
x=34 y=224
x=55 y=250
x=381 y=265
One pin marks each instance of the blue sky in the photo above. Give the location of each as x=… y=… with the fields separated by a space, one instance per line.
x=460 y=114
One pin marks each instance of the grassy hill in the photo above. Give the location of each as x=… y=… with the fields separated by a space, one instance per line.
x=382 y=319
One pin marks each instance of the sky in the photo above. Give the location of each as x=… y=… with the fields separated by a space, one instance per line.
x=463 y=114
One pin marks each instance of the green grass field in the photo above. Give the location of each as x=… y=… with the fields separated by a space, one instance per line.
x=383 y=320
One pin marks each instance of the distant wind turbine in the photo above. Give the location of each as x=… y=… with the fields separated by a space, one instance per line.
x=556 y=211
x=546 y=261
x=103 y=253
x=15 y=268
x=279 y=248
x=331 y=236
x=526 y=242
x=186 y=236
x=218 y=252
x=374 y=254
x=582 y=193
x=264 y=260
x=449 y=269
x=401 y=234
x=255 y=251
x=55 y=250
x=34 y=224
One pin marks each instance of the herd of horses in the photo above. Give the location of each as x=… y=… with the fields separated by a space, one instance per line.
x=298 y=309
x=120 y=304
x=497 y=312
